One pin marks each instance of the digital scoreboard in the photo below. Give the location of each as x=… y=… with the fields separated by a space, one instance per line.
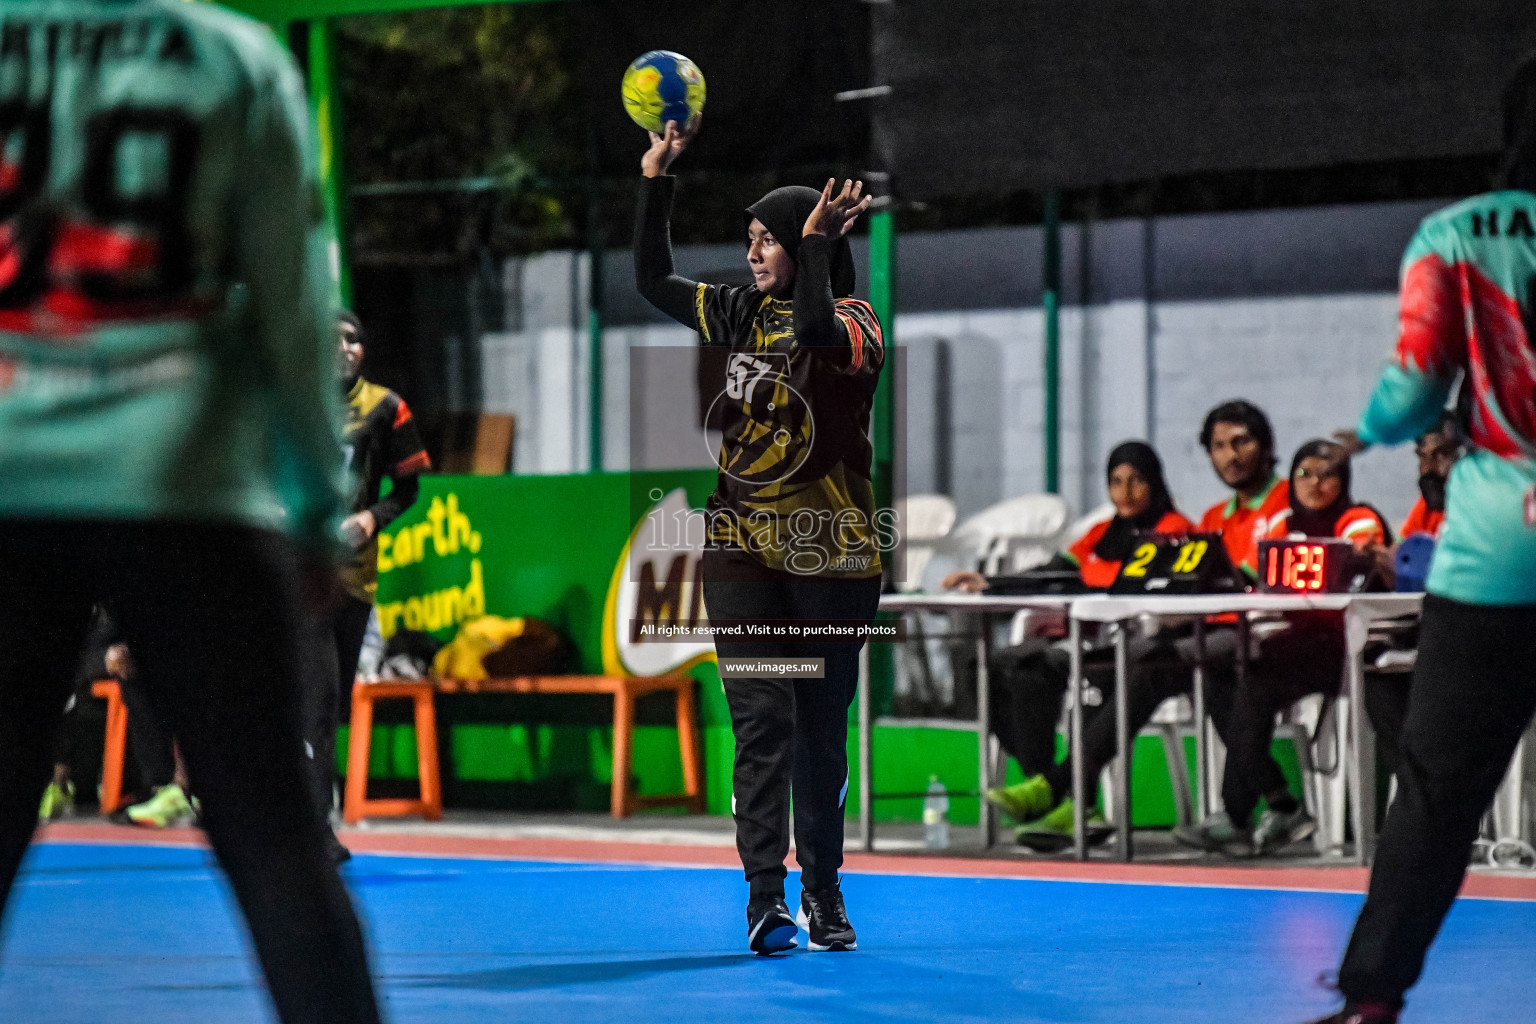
x=1177 y=563
x=1312 y=565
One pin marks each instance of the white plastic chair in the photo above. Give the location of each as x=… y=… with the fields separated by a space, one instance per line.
x=1013 y=535
x=924 y=520
x=1324 y=788
x=1019 y=628
x=1512 y=818
x=1089 y=519
x=1318 y=727
x=1010 y=536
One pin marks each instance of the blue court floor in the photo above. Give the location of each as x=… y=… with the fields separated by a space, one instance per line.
x=111 y=934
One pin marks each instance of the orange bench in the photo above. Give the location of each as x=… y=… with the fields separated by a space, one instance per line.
x=116 y=745
x=625 y=690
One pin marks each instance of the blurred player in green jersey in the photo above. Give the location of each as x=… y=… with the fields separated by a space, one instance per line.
x=1468 y=310
x=167 y=437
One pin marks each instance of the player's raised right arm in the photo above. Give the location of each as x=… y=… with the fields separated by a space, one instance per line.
x=654 y=275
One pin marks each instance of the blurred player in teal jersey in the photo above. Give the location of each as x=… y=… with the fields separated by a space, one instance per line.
x=167 y=432
x=1467 y=312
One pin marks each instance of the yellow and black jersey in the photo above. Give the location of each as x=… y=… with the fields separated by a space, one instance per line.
x=794 y=487
x=794 y=406
x=379 y=439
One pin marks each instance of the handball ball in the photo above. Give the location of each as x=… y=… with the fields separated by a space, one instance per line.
x=663 y=86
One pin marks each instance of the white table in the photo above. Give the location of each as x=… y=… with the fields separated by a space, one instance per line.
x=984 y=606
x=1360 y=610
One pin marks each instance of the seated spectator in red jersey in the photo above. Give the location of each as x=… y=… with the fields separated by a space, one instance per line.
x=1321 y=505
x=1142 y=505
x=1438 y=449
x=1029 y=681
x=1237 y=437
x=1306 y=657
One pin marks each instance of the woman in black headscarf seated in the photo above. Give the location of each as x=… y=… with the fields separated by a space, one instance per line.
x=1142 y=504
x=1029 y=682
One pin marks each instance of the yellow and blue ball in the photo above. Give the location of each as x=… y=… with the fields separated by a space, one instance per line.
x=663 y=86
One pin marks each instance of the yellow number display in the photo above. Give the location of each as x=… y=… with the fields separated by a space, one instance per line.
x=1189 y=558
x=1137 y=566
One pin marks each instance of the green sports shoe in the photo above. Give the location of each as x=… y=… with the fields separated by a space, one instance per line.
x=1217 y=834
x=1052 y=833
x=1023 y=801
x=168 y=806
x=58 y=800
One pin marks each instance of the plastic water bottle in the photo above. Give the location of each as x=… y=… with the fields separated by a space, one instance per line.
x=936 y=816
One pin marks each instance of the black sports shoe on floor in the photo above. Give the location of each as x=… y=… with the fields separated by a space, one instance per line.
x=770 y=929
x=825 y=920
x=1361 y=1013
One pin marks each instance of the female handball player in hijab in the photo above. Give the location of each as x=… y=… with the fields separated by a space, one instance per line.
x=792 y=524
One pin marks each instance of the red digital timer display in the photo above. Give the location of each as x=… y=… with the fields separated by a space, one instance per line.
x=1308 y=566
x=1295 y=567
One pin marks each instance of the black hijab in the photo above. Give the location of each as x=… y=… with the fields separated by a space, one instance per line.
x=1319 y=523
x=783 y=212
x=1115 y=545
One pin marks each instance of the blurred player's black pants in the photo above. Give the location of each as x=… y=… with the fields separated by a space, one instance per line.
x=1473 y=694
x=336 y=639
x=349 y=623
x=213 y=617
x=791 y=734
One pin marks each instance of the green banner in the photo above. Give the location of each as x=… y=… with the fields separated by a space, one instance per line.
x=545 y=546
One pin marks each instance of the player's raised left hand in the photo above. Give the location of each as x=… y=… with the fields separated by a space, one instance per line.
x=835 y=213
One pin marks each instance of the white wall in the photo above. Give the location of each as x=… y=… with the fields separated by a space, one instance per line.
x=1310 y=362
x=1131 y=366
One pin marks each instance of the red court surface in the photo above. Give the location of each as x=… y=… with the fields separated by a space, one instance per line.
x=1342 y=879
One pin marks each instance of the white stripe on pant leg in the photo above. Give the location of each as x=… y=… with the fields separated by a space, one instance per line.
x=842 y=796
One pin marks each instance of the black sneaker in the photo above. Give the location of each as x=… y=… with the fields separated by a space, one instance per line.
x=825 y=920
x=1361 y=1013
x=770 y=929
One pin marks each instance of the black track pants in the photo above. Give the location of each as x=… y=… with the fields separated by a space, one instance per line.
x=1473 y=693
x=1305 y=658
x=335 y=641
x=1028 y=688
x=213 y=618
x=790 y=733
x=349 y=624
x=1386 y=701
